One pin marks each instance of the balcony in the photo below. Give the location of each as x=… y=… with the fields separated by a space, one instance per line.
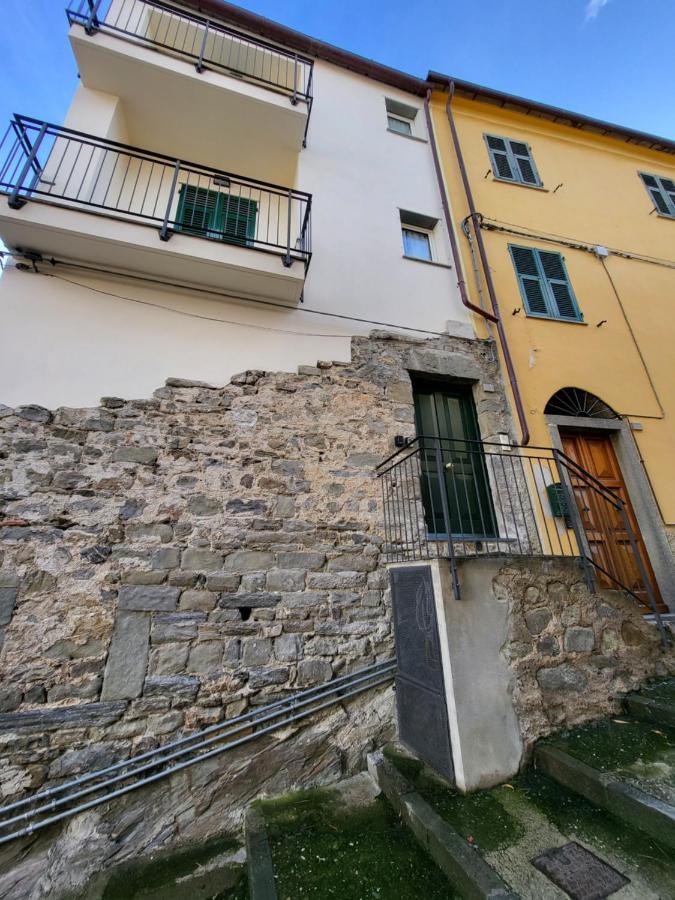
x=189 y=67
x=76 y=197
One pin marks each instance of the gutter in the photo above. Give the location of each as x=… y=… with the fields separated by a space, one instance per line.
x=461 y=284
x=496 y=318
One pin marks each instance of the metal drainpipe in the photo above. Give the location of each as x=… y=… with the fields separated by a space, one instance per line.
x=473 y=215
x=461 y=284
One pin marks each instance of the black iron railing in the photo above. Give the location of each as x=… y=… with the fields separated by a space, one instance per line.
x=447 y=498
x=49 y=163
x=204 y=42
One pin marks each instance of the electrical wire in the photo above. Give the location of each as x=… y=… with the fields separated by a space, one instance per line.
x=221 y=294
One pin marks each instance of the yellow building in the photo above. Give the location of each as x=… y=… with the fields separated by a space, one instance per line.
x=565 y=232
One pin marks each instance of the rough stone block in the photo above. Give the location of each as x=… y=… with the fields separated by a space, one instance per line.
x=206 y=656
x=240 y=507
x=127 y=657
x=259 y=678
x=537 y=619
x=144 y=456
x=201 y=560
x=141 y=576
x=256 y=651
x=249 y=561
x=220 y=581
x=328 y=581
x=287 y=647
x=198 y=600
x=176 y=687
x=149 y=532
x=286 y=580
x=10 y=698
x=249 y=601
x=167 y=627
x=314 y=671
x=98 y=756
x=301 y=559
x=168 y=659
x=79 y=715
x=561 y=678
x=579 y=640
x=148 y=598
x=166 y=558
x=352 y=562
x=7 y=600
x=201 y=505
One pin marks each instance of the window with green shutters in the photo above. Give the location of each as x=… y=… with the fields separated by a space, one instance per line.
x=215 y=214
x=512 y=160
x=544 y=284
x=662 y=192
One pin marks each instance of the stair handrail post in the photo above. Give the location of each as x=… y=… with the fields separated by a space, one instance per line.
x=288 y=260
x=164 y=232
x=642 y=569
x=92 y=24
x=15 y=201
x=443 y=490
x=199 y=65
x=294 y=98
x=575 y=517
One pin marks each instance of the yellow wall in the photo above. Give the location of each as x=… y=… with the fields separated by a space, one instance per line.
x=601 y=200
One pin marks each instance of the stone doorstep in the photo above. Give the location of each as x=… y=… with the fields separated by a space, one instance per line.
x=259 y=857
x=462 y=864
x=645 y=708
x=624 y=801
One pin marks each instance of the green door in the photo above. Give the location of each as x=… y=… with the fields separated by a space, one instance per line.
x=447 y=426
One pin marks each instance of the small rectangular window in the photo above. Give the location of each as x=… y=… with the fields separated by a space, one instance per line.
x=417 y=231
x=400 y=117
x=544 y=284
x=662 y=192
x=417 y=244
x=402 y=126
x=512 y=160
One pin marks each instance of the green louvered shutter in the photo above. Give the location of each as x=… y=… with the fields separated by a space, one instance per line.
x=522 y=157
x=512 y=160
x=662 y=192
x=531 y=285
x=560 y=290
x=544 y=284
x=217 y=215
x=501 y=164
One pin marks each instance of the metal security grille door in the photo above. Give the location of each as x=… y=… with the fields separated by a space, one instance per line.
x=451 y=455
x=420 y=691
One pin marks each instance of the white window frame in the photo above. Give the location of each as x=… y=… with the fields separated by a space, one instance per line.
x=430 y=235
x=409 y=122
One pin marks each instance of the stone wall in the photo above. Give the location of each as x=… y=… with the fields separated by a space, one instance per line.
x=574 y=654
x=169 y=563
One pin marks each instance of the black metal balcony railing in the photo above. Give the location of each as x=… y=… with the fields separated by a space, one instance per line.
x=40 y=161
x=207 y=44
x=449 y=498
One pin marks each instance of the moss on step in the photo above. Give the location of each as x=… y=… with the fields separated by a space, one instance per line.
x=574 y=816
x=615 y=744
x=192 y=872
x=321 y=850
x=478 y=816
x=663 y=691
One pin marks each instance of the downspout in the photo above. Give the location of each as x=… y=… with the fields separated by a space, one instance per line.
x=461 y=284
x=475 y=219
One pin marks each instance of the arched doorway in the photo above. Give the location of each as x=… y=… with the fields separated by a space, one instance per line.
x=587 y=426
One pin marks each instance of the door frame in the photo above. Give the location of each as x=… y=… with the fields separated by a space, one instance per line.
x=639 y=491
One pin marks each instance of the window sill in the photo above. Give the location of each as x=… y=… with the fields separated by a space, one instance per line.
x=532 y=187
x=555 y=319
x=428 y=262
x=661 y=215
x=409 y=137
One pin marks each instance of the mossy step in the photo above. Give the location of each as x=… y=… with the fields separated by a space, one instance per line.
x=349 y=845
x=655 y=703
x=513 y=823
x=628 y=803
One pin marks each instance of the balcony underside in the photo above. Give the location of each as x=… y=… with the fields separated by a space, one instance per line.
x=234 y=123
x=128 y=247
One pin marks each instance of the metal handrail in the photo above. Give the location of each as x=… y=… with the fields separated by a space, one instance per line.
x=41 y=161
x=248 y=56
x=455 y=497
x=277 y=714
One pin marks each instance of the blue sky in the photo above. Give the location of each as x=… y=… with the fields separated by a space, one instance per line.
x=612 y=59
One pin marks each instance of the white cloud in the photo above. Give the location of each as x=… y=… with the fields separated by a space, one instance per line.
x=594 y=8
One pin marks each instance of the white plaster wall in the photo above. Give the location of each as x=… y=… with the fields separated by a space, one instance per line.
x=62 y=344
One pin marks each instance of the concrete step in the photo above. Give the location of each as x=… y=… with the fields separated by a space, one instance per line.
x=655 y=703
x=628 y=803
x=516 y=825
